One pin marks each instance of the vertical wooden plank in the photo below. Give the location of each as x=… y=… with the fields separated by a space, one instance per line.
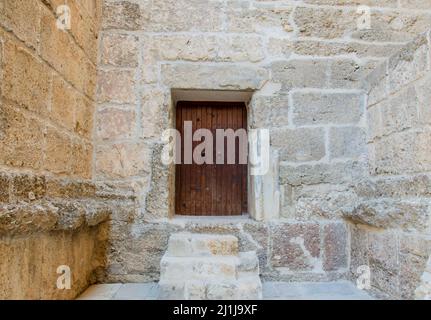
x=230 y=167
x=214 y=167
x=187 y=167
x=206 y=201
x=198 y=168
x=238 y=166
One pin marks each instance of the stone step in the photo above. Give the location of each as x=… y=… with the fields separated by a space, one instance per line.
x=245 y=288
x=202 y=266
x=196 y=245
x=248 y=263
x=199 y=268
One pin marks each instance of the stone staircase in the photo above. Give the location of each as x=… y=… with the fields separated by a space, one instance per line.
x=208 y=267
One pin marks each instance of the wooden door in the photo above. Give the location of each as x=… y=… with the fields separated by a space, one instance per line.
x=211 y=189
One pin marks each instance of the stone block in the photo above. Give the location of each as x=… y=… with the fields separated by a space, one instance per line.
x=26 y=80
x=57 y=46
x=279 y=47
x=327 y=108
x=24 y=219
x=393 y=26
x=63 y=103
x=424 y=98
x=270 y=111
x=196 y=245
x=28 y=188
x=69 y=189
x=119 y=50
x=258 y=19
x=408 y=64
x=301 y=73
x=415 y=4
x=335 y=244
x=336 y=173
x=358 y=249
x=401 y=111
x=122 y=160
x=82 y=161
x=325 y=22
x=124 y=15
x=321 y=202
x=182 y=15
x=371 y=3
x=4 y=187
x=84 y=114
x=296 y=246
x=58 y=152
x=242 y=48
x=158 y=202
x=221 y=291
x=248 y=263
x=22 y=139
x=224 y=77
x=22 y=18
x=169 y=290
x=299 y=145
x=115 y=123
x=376 y=83
x=388 y=213
x=404 y=152
x=375 y=121
x=347 y=142
x=154 y=113
x=116 y=86
x=411 y=270
x=384 y=262
x=384 y=250
x=348 y=74
x=85 y=28
x=202 y=268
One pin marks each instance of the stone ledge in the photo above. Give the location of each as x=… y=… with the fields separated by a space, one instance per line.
x=393 y=214
x=43 y=216
x=16 y=188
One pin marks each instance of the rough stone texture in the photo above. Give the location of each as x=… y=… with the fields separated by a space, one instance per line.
x=306 y=62
x=317 y=108
x=28 y=265
x=296 y=247
x=192 y=76
x=309 y=65
x=299 y=145
x=393 y=213
x=210 y=268
x=49 y=212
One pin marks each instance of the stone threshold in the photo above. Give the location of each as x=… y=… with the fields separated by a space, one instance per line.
x=219 y=220
x=334 y=290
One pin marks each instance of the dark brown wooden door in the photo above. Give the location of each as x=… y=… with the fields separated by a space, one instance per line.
x=211 y=189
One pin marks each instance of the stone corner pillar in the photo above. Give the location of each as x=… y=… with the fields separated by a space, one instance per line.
x=264 y=195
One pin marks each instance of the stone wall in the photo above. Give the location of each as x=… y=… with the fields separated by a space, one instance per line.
x=304 y=62
x=391 y=230
x=50 y=212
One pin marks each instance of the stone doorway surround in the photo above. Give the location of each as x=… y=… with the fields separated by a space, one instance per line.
x=222 y=83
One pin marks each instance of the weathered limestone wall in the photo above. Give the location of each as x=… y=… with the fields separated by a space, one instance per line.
x=50 y=212
x=304 y=61
x=392 y=221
